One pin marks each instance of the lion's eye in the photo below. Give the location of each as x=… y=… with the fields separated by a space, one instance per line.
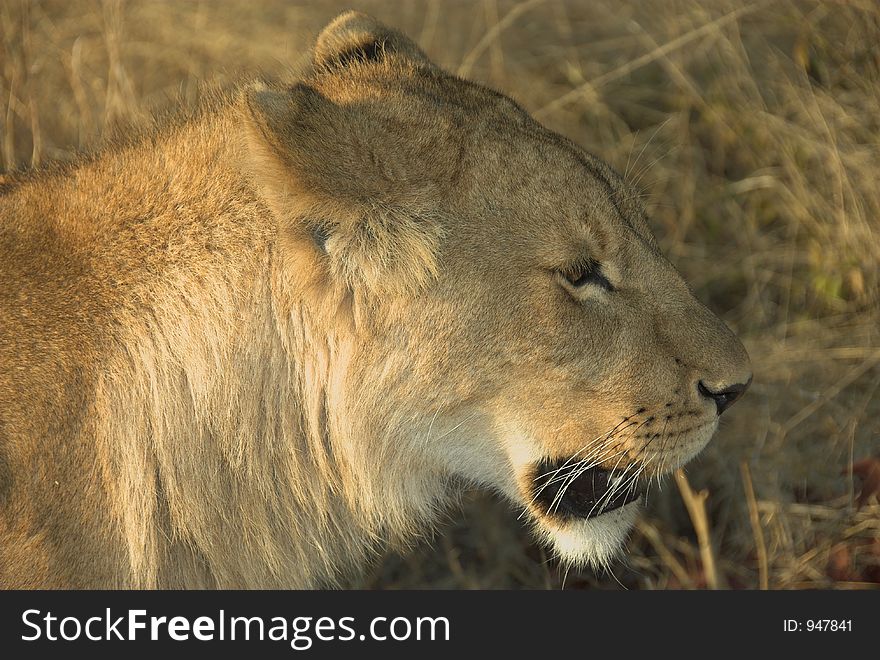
x=587 y=273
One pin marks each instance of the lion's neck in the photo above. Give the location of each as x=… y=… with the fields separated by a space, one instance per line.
x=230 y=453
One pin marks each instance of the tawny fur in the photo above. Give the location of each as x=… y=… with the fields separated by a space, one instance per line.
x=250 y=348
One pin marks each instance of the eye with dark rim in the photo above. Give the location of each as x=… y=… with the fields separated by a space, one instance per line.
x=587 y=272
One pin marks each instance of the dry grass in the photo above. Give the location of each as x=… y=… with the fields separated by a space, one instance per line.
x=753 y=130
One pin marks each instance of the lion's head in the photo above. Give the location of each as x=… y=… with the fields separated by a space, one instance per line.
x=493 y=306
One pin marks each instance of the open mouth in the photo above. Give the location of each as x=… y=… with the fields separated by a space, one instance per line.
x=564 y=488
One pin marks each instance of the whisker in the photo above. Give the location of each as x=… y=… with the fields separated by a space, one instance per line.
x=612 y=470
x=431 y=426
x=573 y=466
x=601 y=449
x=557 y=499
x=575 y=473
x=648 y=143
x=630 y=153
x=588 y=445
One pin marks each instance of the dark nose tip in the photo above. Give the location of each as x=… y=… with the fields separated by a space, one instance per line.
x=726 y=397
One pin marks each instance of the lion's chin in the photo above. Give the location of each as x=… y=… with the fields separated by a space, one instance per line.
x=591 y=541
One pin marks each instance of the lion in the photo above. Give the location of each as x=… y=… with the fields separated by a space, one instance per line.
x=251 y=346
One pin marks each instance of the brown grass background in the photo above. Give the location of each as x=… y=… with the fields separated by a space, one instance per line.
x=753 y=130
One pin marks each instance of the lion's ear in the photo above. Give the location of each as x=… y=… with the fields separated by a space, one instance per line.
x=303 y=145
x=342 y=197
x=353 y=37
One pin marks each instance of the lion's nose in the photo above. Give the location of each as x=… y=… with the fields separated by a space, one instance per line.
x=725 y=397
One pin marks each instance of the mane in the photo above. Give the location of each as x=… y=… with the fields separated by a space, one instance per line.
x=232 y=454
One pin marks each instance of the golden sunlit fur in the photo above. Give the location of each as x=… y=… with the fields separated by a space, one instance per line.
x=249 y=348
